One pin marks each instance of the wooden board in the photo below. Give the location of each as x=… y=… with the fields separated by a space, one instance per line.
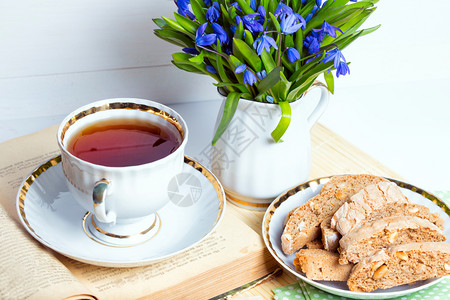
x=331 y=155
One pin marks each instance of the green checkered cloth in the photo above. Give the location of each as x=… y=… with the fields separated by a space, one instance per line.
x=302 y=290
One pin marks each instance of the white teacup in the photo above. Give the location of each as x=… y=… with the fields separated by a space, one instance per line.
x=123 y=200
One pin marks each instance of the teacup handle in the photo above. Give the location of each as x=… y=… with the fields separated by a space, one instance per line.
x=99 y=198
x=321 y=105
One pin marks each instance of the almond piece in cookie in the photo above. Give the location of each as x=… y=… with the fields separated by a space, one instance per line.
x=400 y=264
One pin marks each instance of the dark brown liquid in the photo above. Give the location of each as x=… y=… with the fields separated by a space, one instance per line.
x=124 y=142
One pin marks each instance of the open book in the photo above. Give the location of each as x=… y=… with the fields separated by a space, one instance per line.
x=231 y=256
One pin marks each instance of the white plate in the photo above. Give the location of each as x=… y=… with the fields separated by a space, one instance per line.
x=54 y=218
x=276 y=214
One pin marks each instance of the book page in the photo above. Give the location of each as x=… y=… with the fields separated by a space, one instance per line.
x=29 y=271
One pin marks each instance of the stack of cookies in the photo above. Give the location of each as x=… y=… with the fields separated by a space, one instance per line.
x=363 y=230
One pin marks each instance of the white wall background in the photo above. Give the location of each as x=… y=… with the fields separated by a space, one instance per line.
x=56 y=55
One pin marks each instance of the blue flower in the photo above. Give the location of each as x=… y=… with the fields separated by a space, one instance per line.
x=318 y=3
x=291 y=24
x=207 y=2
x=221 y=34
x=238 y=20
x=249 y=78
x=335 y=55
x=211 y=69
x=262 y=12
x=264 y=42
x=269 y=99
x=283 y=10
x=328 y=29
x=261 y=75
x=252 y=24
x=202 y=39
x=192 y=51
x=253 y=4
x=342 y=69
x=240 y=69
x=213 y=12
x=236 y=5
x=310 y=15
x=313 y=42
x=293 y=55
x=183 y=8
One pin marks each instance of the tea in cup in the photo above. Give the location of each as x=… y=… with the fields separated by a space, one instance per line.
x=118 y=157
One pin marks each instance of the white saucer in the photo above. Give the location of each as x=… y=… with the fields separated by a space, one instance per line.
x=273 y=224
x=54 y=218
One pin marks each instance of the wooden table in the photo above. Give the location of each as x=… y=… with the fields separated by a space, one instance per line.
x=330 y=155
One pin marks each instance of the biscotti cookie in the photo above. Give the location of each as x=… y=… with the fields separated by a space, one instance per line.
x=371 y=198
x=354 y=182
x=316 y=244
x=400 y=264
x=330 y=237
x=373 y=236
x=319 y=264
x=303 y=223
x=407 y=209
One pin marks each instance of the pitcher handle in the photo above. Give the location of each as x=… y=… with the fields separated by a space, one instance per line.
x=321 y=105
x=99 y=198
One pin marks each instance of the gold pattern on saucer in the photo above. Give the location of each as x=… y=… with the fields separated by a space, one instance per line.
x=157 y=222
x=123 y=105
x=29 y=181
x=56 y=160
x=213 y=180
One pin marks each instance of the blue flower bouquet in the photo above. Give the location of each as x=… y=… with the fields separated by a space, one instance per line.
x=265 y=50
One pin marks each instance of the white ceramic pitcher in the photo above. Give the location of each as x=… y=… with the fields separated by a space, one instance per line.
x=252 y=168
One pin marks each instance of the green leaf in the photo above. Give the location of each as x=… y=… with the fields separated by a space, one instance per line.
x=267 y=59
x=177 y=27
x=289 y=40
x=160 y=23
x=198 y=59
x=188 y=68
x=226 y=14
x=272 y=5
x=329 y=79
x=284 y=122
x=335 y=3
x=249 y=38
x=275 y=22
x=269 y=81
x=231 y=87
x=248 y=54
x=182 y=57
x=239 y=33
x=174 y=37
x=245 y=7
x=186 y=23
x=198 y=10
x=235 y=61
x=229 y=110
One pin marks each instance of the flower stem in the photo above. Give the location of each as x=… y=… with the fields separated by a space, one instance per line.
x=215 y=52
